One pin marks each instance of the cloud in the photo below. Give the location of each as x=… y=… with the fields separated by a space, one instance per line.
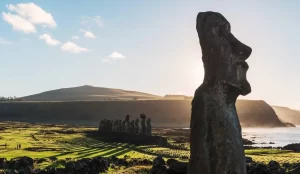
x=33 y=14
x=98 y=21
x=89 y=21
x=75 y=37
x=115 y=56
x=18 y=23
x=73 y=48
x=25 y=16
x=3 y=41
x=88 y=34
x=49 y=40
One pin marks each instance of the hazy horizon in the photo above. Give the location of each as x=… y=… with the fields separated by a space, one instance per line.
x=47 y=45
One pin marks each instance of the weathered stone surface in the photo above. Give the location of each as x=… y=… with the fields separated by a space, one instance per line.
x=216 y=141
x=273 y=165
x=2 y=162
x=163 y=170
x=248 y=159
x=177 y=166
x=27 y=170
x=294 y=147
x=127 y=123
x=159 y=161
x=127 y=126
x=296 y=170
x=149 y=127
x=143 y=124
x=131 y=128
x=137 y=127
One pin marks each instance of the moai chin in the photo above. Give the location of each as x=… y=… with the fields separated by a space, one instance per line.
x=216 y=140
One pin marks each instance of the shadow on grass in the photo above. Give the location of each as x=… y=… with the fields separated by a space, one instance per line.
x=110 y=151
x=92 y=152
x=85 y=147
x=61 y=154
x=121 y=152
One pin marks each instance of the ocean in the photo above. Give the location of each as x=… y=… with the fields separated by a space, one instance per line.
x=279 y=136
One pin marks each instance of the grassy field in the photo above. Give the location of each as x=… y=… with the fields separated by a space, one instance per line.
x=66 y=142
x=40 y=141
x=266 y=155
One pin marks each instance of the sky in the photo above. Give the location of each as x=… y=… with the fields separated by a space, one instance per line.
x=147 y=46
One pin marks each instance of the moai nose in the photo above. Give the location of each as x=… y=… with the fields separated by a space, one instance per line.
x=244 y=51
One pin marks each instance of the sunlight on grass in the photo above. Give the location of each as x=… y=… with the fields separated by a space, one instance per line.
x=40 y=141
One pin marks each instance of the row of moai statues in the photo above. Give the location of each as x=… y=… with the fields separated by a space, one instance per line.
x=136 y=126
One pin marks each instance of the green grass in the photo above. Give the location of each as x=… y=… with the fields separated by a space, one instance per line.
x=53 y=141
x=134 y=169
x=266 y=155
x=265 y=151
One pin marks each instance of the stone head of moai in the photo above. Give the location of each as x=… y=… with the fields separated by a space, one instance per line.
x=127 y=118
x=143 y=116
x=223 y=55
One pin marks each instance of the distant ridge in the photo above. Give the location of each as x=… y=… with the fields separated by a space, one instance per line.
x=88 y=104
x=89 y=93
x=287 y=115
x=257 y=113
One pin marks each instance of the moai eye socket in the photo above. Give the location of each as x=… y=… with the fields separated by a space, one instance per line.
x=221 y=31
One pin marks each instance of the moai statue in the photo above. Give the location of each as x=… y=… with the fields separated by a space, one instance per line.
x=143 y=124
x=103 y=125
x=131 y=127
x=100 y=126
x=137 y=126
x=109 y=126
x=106 y=125
x=118 y=126
x=115 y=126
x=127 y=123
x=216 y=140
x=123 y=126
x=149 y=127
